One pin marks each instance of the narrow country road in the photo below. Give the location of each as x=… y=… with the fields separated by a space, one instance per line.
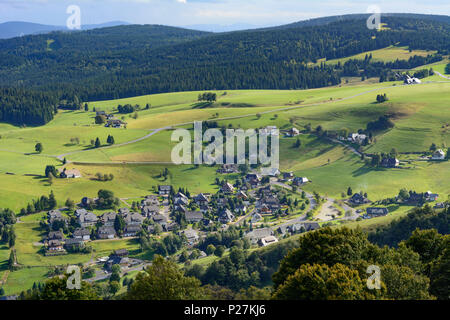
x=441 y=75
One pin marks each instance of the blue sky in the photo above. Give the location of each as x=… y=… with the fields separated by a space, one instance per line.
x=194 y=12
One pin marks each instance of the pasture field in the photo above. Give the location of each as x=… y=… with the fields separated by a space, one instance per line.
x=421 y=115
x=388 y=54
x=23 y=279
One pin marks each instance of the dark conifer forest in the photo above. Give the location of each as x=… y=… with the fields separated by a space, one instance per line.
x=127 y=61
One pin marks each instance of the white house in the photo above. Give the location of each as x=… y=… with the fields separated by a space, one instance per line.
x=438 y=155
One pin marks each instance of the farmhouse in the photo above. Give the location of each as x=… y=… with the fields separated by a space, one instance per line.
x=226 y=217
x=191 y=236
x=193 y=216
x=303 y=227
x=357 y=138
x=55 y=215
x=55 y=235
x=106 y=232
x=164 y=190
x=358 y=199
x=228 y=168
x=377 y=212
x=288 y=176
x=131 y=230
x=115 y=123
x=160 y=219
x=293 y=132
x=83 y=234
x=150 y=200
x=438 y=155
x=73 y=244
x=85 y=218
x=298 y=181
x=135 y=219
x=430 y=197
x=201 y=199
x=256 y=218
x=257 y=234
x=72 y=173
x=55 y=246
x=227 y=188
x=390 y=162
x=264 y=242
x=148 y=211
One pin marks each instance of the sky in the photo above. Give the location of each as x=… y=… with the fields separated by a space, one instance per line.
x=198 y=12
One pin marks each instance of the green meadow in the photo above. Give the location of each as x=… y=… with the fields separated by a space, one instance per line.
x=421 y=114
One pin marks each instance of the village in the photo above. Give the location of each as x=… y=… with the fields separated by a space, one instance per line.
x=265 y=209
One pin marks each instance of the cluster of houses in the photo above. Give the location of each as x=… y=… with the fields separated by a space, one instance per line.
x=111 y=120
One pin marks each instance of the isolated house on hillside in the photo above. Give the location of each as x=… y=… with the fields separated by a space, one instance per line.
x=72 y=173
x=293 y=132
x=358 y=199
x=298 y=181
x=377 y=212
x=438 y=155
x=390 y=162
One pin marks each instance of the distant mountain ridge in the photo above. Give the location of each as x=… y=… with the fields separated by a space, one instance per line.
x=14 y=29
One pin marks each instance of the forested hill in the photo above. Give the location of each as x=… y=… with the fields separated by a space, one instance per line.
x=127 y=61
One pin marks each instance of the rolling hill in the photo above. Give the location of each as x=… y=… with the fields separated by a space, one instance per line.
x=14 y=29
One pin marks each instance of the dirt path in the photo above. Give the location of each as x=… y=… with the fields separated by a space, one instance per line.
x=5 y=278
x=328 y=211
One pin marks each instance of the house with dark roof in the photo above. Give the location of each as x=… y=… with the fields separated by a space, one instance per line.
x=106 y=232
x=148 y=211
x=264 y=242
x=55 y=215
x=164 y=190
x=134 y=219
x=131 y=230
x=299 y=181
x=108 y=219
x=228 y=168
x=257 y=234
x=86 y=218
x=70 y=173
x=55 y=246
x=358 y=199
x=390 y=162
x=82 y=233
x=191 y=236
x=193 y=216
x=226 y=216
x=55 y=235
x=201 y=199
x=377 y=212
x=73 y=244
x=227 y=188
x=159 y=219
x=288 y=176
